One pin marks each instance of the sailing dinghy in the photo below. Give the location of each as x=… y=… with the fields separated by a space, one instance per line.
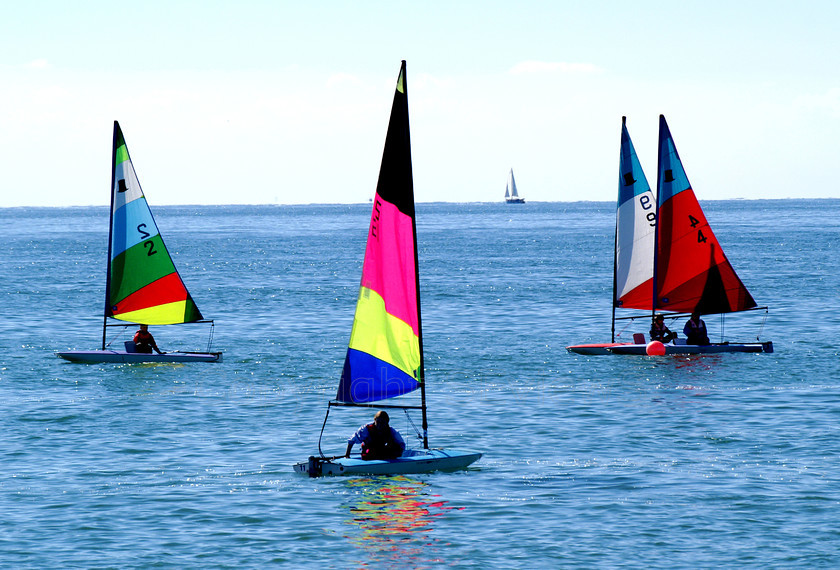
x=511 y=194
x=142 y=284
x=667 y=258
x=385 y=354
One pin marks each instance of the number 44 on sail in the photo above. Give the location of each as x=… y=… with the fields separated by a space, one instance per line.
x=667 y=259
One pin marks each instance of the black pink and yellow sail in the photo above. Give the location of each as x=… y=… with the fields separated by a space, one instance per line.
x=635 y=231
x=692 y=272
x=384 y=355
x=143 y=284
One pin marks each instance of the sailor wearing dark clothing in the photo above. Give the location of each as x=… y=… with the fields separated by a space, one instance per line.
x=660 y=332
x=379 y=440
x=695 y=330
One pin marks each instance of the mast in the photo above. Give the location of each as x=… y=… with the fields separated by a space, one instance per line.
x=110 y=237
x=615 y=248
x=421 y=370
x=655 y=283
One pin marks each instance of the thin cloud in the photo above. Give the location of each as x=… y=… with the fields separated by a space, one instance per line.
x=828 y=102
x=339 y=79
x=34 y=64
x=553 y=67
x=37 y=64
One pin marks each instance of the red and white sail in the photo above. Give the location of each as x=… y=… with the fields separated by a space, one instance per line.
x=691 y=270
x=635 y=231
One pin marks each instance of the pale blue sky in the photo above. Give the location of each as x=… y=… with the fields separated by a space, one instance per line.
x=287 y=102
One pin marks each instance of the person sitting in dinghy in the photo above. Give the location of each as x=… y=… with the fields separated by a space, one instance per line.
x=379 y=440
x=695 y=330
x=144 y=342
x=659 y=331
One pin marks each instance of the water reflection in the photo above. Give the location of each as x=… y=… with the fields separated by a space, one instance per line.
x=394 y=517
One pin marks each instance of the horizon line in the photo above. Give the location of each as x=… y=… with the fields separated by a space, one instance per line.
x=418 y=202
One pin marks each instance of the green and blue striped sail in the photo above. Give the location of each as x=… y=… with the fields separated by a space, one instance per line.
x=384 y=356
x=143 y=284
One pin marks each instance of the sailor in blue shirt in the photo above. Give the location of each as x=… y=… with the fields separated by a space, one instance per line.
x=379 y=440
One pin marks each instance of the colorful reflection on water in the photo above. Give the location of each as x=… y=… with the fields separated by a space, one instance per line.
x=394 y=517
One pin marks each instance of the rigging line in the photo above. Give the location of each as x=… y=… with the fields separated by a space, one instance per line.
x=210 y=340
x=764 y=320
x=119 y=333
x=416 y=431
x=629 y=322
x=321 y=453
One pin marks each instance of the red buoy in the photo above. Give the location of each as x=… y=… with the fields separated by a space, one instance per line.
x=655 y=348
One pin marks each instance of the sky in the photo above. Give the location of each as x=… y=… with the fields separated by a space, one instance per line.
x=287 y=102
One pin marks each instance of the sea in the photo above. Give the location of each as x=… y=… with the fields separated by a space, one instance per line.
x=729 y=460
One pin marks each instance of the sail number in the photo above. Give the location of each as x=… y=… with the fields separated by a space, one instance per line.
x=645 y=203
x=694 y=223
x=374 y=220
x=149 y=245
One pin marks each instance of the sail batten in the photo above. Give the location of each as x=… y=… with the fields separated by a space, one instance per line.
x=384 y=356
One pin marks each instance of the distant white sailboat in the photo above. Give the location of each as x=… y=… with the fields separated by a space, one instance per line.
x=511 y=195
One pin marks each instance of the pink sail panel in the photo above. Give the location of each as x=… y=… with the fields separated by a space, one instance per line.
x=382 y=256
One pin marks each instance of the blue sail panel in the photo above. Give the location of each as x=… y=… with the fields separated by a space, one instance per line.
x=632 y=181
x=366 y=378
x=672 y=178
x=133 y=223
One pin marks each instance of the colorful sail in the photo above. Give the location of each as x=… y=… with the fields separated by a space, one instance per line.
x=384 y=354
x=692 y=272
x=635 y=231
x=143 y=284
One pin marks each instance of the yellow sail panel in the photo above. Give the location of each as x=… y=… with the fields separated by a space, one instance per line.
x=166 y=314
x=382 y=335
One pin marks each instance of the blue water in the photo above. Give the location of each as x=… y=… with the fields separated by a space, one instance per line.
x=720 y=460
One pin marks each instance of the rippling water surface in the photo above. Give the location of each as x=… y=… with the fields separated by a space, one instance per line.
x=720 y=460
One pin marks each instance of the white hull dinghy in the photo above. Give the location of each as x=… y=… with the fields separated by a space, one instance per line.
x=667 y=259
x=142 y=284
x=384 y=358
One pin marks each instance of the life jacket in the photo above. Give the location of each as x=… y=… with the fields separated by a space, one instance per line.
x=696 y=332
x=379 y=445
x=143 y=341
x=657 y=332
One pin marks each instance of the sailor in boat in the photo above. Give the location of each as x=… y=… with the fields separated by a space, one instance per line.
x=379 y=440
x=695 y=330
x=659 y=331
x=144 y=342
